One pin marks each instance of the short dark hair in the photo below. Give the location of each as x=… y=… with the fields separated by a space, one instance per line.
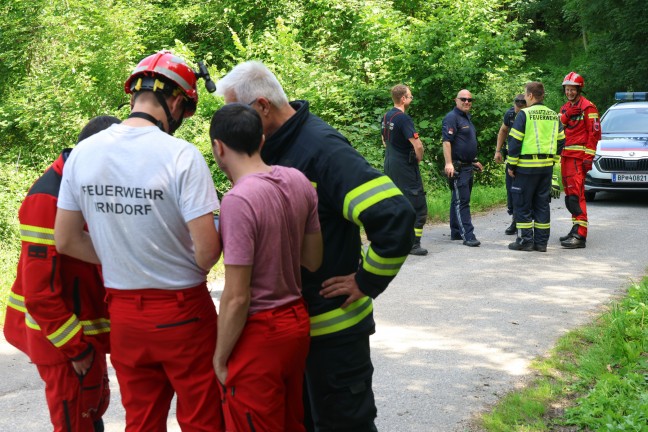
x=519 y=99
x=238 y=126
x=97 y=124
x=536 y=88
x=398 y=91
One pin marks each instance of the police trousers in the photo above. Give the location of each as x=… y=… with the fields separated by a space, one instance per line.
x=460 y=220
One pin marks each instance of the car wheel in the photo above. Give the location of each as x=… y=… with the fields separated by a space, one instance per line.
x=590 y=195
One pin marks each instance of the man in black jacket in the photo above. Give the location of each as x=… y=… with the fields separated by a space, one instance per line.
x=403 y=154
x=351 y=194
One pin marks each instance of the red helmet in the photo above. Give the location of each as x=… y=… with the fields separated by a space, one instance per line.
x=169 y=67
x=574 y=79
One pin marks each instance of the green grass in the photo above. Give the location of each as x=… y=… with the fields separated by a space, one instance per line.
x=595 y=379
x=482 y=198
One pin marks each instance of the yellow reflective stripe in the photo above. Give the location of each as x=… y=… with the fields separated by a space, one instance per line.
x=17 y=302
x=535 y=163
x=90 y=327
x=575 y=148
x=592 y=115
x=65 y=332
x=340 y=319
x=34 y=234
x=374 y=263
x=418 y=232
x=512 y=160
x=579 y=222
x=580 y=148
x=524 y=225
x=31 y=322
x=314 y=184
x=539 y=225
x=95 y=327
x=366 y=195
x=517 y=134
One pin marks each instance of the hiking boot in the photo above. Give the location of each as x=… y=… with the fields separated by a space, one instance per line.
x=569 y=235
x=418 y=250
x=512 y=229
x=540 y=248
x=472 y=243
x=565 y=237
x=574 y=242
x=521 y=246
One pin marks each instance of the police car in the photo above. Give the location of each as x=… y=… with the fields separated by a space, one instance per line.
x=621 y=160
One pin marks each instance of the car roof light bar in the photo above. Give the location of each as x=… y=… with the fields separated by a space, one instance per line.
x=631 y=96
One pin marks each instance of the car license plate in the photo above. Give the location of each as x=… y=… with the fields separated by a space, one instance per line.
x=629 y=178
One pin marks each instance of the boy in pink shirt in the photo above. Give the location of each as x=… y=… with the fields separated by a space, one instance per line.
x=270 y=228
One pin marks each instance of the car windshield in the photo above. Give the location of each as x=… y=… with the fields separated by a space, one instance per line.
x=626 y=120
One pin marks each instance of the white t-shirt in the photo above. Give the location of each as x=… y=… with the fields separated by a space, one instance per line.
x=137 y=188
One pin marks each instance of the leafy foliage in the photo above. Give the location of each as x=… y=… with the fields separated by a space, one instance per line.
x=64 y=62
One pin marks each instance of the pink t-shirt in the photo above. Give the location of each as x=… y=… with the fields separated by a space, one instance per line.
x=263 y=220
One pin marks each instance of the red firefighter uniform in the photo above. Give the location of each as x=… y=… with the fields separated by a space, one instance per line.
x=56 y=313
x=582 y=133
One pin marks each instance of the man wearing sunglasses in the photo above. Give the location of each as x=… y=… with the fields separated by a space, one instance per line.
x=460 y=154
x=501 y=152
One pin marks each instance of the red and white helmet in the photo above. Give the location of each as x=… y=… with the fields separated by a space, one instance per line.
x=168 y=67
x=574 y=79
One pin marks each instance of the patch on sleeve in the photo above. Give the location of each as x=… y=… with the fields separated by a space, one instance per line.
x=34 y=251
x=416 y=135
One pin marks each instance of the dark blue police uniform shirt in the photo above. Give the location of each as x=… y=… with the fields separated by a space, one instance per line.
x=397 y=129
x=509 y=117
x=460 y=132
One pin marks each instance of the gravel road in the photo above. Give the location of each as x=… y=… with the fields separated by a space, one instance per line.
x=458 y=328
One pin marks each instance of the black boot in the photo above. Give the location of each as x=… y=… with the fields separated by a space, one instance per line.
x=418 y=250
x=574 y=242
x=571 y=233
x=521 y=245
x=512 y=229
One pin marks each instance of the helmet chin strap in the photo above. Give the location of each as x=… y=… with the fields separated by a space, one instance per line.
x=148 y=117
x=173 y=124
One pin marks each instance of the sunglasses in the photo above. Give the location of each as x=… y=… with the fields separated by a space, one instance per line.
x=465 y=99
x=520 y=101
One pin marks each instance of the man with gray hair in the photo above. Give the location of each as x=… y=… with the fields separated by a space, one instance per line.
x=340 y=294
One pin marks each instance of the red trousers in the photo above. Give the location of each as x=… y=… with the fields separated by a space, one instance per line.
x=573 y=175
x=265 y=372
x=163 y=342
x=76 y=403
